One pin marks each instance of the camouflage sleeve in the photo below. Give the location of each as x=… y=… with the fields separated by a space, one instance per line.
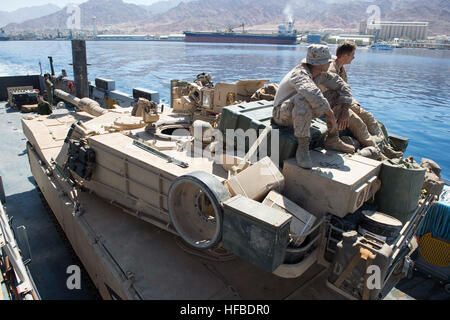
x=334 y=69
x=49 y=83
x=343 y=75
x=306 y=87
x=335 y=82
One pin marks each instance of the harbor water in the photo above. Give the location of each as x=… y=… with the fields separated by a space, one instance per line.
x=406 y=89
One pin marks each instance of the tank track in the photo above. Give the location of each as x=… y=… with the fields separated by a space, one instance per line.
x=86 y=281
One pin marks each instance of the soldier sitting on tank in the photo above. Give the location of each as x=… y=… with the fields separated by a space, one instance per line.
x=299 y=100
x=361 y=123
x=43 y=108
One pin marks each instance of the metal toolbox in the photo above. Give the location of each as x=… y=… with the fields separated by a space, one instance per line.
x=338 y=184
x=105 y=84
x=257 y=115
x=150 y=95
x=255 y=232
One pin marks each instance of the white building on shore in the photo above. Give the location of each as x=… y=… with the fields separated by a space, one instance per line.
x=388 y=30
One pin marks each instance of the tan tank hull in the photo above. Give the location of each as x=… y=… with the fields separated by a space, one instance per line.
x=118 y=250
x=119 y=223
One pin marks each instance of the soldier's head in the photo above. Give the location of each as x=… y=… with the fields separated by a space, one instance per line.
x=46 y=76
x=345 y=52
x=318 y=58
x=40 y=98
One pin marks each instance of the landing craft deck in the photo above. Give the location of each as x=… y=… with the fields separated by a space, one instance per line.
x=110 y=190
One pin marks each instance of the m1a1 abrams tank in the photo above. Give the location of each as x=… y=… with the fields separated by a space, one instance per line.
x=155 y=209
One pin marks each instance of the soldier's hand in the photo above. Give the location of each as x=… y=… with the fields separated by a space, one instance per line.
x=356 y=108
x=343 y=119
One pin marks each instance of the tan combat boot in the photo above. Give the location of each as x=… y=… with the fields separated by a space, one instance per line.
x=332 y=142
x=302 y=155
x=391 y=153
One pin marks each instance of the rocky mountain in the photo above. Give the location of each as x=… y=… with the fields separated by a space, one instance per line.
x=106 y=12
x=210 y=15
x=436 y=12
x=203 y=15
x=162 y=6
x=24 y=14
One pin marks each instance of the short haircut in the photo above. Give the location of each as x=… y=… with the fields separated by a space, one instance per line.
x=345 y=47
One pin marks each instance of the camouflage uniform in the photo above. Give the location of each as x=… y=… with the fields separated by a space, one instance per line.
x=363 y=123
x=299 y=99
x=44 y=108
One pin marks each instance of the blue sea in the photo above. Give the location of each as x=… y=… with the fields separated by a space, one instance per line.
x=406 y=89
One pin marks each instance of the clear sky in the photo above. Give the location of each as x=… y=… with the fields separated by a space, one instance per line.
x=7 y=5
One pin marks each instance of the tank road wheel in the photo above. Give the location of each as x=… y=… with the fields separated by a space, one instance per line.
x=195 y=208
x=447 y=287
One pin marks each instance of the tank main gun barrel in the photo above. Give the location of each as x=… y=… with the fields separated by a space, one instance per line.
x=85 y=104
x=67 y=97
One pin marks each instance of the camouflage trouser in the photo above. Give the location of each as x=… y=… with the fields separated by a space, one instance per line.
x=361 y=125
x=372 y=125
x=358 y=128
x=50 y=96
x=369 y=120
x=296 y=112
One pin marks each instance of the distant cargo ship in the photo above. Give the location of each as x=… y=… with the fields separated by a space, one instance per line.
x=284 y=37
x=3 y=36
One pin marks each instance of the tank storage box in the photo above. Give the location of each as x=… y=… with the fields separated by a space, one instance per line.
x=133 y=177
x=24 y=98
x=11 y=90
x=257 y=115
x=150 y=95
x=105 y=84
x=255 y=232
x=401 y=187
x=302 y=221
x=337 y=184
x=256 y=181
x=177 y=105
x=227 y=93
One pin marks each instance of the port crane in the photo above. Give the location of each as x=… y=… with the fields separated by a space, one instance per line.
x=231 y=28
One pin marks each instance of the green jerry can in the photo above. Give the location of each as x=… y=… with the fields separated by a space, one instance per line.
x=257 y=115
x=360 y=266
x=255 y=232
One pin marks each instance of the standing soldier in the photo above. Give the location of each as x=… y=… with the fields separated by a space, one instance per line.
x=49 y=88
x=299 y=100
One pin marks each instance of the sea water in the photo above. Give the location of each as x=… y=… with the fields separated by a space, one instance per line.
x=406 y=89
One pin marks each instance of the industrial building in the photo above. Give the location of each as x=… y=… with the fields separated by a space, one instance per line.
x=360 y=40
x=388 y=30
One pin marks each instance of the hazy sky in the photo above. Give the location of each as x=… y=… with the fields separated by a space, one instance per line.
x=7 y=5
